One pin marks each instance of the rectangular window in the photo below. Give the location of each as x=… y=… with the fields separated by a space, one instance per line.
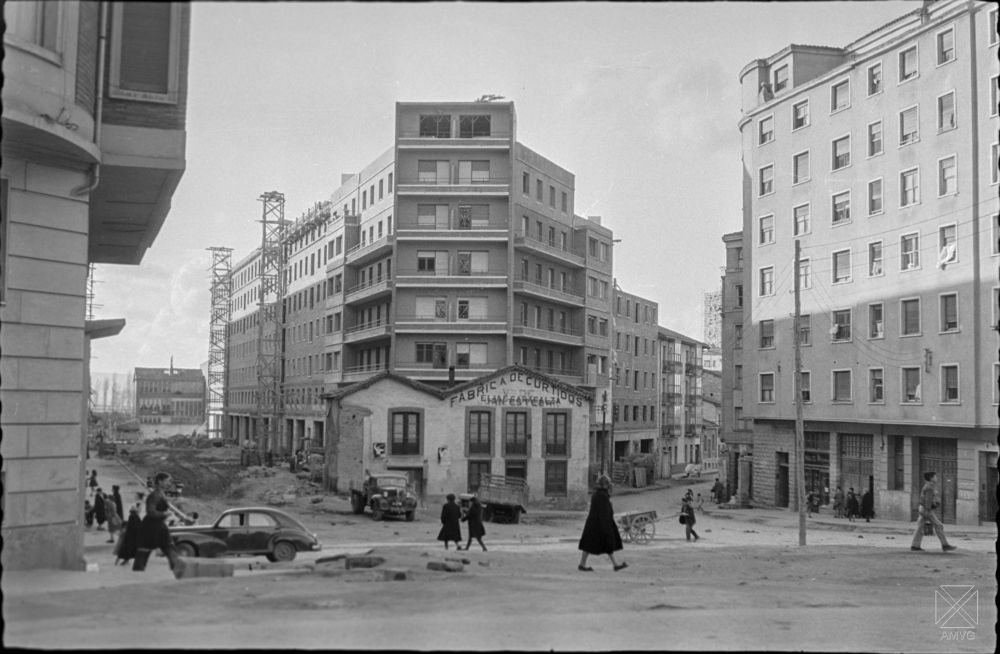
x=515 y=435
x=801 y=217
x=908 y=126
x=766 y=281
x=737 y=377
x=910 y=384
x=805 y=329
x=946 y=112
x=875 y=197
x=991 y=25
x=479 y=433
x=949 y=383
x=909 y=317
x=739 y=296
x=841 y=386
x=406 y=430
x=800 y=114
x=767 y=387
x=875 y=259
x=766 y=333
x=765 y=180
x=539 y=186
x=908 y=68
x=565 y=202
x=555 y=478
x=875 y=79
x=780 y=78
x=556 y=433
x=841 y=151
x=841 y=205
x=909 y=187
x=800 y=167
x=36 y=23
x=738 y=336
x=994 y=163
x=805 y=386
x=525 y=183
x=947 y=245
x=474 y=172
x=804 y=269
x=432 y=172
x=949 y=312
x=476 y=471
x=876 y=385
x=841 y=265
x=946 y=46
x=875 y=139
x=473 y=126
x=840 y=95
x=145 y=51
x=765 y=130
x=947 y=176
x=3 y=241
x=470 y=355
x=766 y=231
x=875 y=321
x=841 y=330
x=435 y=354
x=435 y=126
x=994 y=95
x=909 y=252
x=552 y=196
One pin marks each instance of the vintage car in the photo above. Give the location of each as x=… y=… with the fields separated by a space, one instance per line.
x=386 y=494
x=247 y=531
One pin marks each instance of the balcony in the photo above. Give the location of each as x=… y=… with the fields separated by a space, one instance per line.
x=409 y=228
x=566 y=336
x=417 y=140
x=670 y=432
x=549 y=250
x=538 y=288
x=692 y=369
x=451 y=276
x=429 y=372
x=431 y=325
x=368 y=331
x=363 y=253
x=369 y=290
x=363 y=372
x=573 y=376
x=670 y=367
x=475 y=185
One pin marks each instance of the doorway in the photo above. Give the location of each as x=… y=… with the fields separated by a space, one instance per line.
x=781 y=480
x=989 y=478
x=940 y=455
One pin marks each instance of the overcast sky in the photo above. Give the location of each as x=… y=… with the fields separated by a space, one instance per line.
x=639 y=101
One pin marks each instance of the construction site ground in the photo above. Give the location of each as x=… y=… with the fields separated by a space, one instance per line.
x=746 y=584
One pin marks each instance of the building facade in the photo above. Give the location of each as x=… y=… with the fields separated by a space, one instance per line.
x=169 y=401
x=680 y=407
x=735 y=429
x=635 y=386
x=880 y=160
x=94 y=104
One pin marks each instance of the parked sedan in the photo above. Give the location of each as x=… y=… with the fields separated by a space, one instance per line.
x=247 y=531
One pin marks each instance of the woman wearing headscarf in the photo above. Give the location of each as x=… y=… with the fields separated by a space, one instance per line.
x=475 y=519
x=600 y=532
x=451 y=514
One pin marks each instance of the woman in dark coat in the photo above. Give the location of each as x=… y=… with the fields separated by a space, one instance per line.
x=475 y=519
x=451 y=515
x=100 y=512
x=129 y=541
x=600 y=532
x=867 y=506
x=116 y=495
x=852 y=505
x=153 y=531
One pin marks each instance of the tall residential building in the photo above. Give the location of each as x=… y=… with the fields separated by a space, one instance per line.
x=94 y=99
x=680 y=407
x=453 y=254
x=636 y=373
x=735 y=429
x=169 y=401
x=880 y=159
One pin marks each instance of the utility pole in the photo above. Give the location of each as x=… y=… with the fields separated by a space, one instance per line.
x=800 y=470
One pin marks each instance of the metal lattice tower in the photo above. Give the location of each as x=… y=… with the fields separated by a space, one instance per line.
x=91 y=282
x=221 y=314
x=271 y=322
x=712 y=318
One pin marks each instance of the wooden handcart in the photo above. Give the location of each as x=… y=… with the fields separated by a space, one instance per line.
x=637 y=527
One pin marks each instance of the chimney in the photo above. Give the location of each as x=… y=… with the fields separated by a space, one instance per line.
x=594 y=219
x=171 y=365
x=451 y=376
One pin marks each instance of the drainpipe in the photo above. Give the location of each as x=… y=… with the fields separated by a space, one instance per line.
x=95 y=170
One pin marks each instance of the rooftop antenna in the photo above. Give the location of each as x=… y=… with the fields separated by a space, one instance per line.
x=489 y=97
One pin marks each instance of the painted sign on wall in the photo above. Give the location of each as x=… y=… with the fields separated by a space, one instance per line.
x=517 y=389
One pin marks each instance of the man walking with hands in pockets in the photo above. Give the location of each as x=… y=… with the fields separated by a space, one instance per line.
x=925 y=512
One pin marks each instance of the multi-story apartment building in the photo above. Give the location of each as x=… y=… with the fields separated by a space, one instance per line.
x=635 y=386
x=94 y=102
x=453 y=254
x=680 y=407
x=880 y=160
x=735 y=429
x=169 y=400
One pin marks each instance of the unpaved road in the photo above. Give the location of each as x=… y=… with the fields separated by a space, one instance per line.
x=745 y=586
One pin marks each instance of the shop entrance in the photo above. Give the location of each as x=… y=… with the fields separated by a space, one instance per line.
x=781 y=480
x=855 y=462
x=940 y=455
x=989 y=478
x=817 y=464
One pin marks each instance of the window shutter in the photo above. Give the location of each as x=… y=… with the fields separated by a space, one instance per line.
x=145 y=51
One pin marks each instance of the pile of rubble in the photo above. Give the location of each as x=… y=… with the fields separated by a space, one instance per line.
x=282 y=488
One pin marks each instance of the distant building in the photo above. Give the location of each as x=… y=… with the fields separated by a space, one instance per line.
x=169 y=401
x=680 y=404
x=634 y=386
x=712 y=318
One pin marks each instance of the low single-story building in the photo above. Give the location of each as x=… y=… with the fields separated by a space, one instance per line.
x=513 y=422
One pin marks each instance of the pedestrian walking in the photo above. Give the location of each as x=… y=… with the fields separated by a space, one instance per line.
x=838 y=503
x=100 y=510
x=116 y=495
x=811 y=502
x=687 y=512
x=128 y=542
x=474 y=516
x=718 y=492
x=700 y=506
x=451 y=515
x=852 y=504
x=925 y=512
x=153 y=531
x=600 y=532
x=92 y=482
x=88 y=513
x=114 y=521
x=867 y=505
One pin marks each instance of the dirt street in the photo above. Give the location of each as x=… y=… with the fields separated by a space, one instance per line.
x=745 y=585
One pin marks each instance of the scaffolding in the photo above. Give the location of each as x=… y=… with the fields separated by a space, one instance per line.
x=91 y=282
x=221 y=314
x=270 y=326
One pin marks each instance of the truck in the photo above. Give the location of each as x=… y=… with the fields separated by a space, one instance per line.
x=503 y=498
x=386 y=494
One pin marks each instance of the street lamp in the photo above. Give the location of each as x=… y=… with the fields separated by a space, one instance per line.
x=604 y=429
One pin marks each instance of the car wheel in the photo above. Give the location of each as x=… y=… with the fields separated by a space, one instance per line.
x=409 y=516
x=283 y=551
x=377 y=514
x=186 y=550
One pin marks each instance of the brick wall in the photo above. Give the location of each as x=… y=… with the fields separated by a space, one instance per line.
x=86 y=56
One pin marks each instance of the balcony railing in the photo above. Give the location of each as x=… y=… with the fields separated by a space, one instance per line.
x=438 y=135
x=452 y=275
x=460 y=224
x=360 y=250
x=454 y=180
x=373 y=329
x=568 y=335
x=384 y=282
x=549 y=247
x=538 y=287
x=432 y=324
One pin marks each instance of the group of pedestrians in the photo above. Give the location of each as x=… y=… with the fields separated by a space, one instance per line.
x=452 y=516
x=851 y=507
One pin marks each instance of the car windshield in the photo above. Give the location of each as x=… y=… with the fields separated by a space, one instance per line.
x=398 y=482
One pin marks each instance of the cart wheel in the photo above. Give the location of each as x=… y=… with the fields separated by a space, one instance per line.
x=644 y=529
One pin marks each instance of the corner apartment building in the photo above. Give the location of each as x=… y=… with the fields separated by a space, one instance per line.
x=735 y=429
x=680 y=407
x=169 y=401
x=635 y=390
x=880 y=159
x=94 y=100
x=453 y=254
